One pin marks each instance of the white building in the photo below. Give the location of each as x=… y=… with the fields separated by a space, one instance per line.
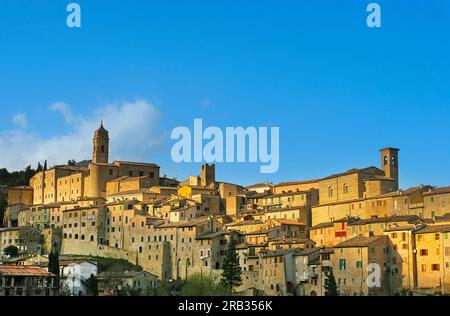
x=75 y=276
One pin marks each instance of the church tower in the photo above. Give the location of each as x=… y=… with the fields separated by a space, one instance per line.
x=389 y=163
x=101 y=145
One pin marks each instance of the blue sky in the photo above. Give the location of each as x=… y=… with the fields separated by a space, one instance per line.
x=338 y=90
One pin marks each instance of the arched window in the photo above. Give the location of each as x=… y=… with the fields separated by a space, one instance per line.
x=393 y=160
x=345 y=189
x=76 y=236
x=65 y=235
x=82 y=237
x=386 y=160
x=70 y=236
x=92 y=237
x=102 y=148
x=206 y=263
x=330 y=191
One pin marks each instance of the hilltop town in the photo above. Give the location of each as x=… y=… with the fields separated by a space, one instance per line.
x=289 y=236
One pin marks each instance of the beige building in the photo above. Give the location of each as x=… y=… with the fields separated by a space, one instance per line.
x=436 y=202
x=351 y=260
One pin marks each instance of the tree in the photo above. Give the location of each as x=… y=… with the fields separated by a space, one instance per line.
x=232 y=272
x=199 y=285
x=71 y=163
x=92 y=286
x=3 y=205
x=11 y=251
x=331 y=288
x=53 y=263
x=45 y=165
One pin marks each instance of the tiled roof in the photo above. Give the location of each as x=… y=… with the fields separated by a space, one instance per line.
x=440 y=190
x=435 y=229
x=358 y=242
x=292 y=222
x=23 y=271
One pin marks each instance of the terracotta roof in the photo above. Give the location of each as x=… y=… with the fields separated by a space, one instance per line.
x=358 y=242
x=292 y=222
x=23 y=271
x=440 y=190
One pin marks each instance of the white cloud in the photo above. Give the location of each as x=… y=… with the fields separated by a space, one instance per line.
x=133 y=133
x=20 y=119
x=66 y=112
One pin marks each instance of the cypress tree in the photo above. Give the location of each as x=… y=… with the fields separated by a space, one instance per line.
x=331 y=288
x=231 y=275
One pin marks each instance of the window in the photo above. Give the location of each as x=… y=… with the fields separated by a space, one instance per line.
x=102 y=148
x=345 y=189
x=435 y=267
x=423 y=252
x=386 y=160
x=342 y=264
x=330 y=191
x=130 y=173
x=359 y=264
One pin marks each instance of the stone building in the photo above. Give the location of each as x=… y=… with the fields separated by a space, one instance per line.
x=359 y=263
x=436 y=202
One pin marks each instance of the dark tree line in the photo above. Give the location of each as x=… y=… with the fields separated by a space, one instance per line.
x=17 y=178
x=14 y=179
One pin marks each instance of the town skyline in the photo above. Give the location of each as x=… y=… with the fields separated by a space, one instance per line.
x=336 y=88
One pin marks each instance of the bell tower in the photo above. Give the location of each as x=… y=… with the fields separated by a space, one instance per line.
x=101 y=145
x=389 y=163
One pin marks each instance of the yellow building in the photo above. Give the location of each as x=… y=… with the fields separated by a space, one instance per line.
x=433 y=258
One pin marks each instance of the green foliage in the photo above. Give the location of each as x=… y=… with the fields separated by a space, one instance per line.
x=11 y=251
x=13 y=179
x=92 y=286
x=204 y=285
x=231 y=276
x=72 y=163
x=331 y=288
x=16 y=178
x=172 y=288
x=3 y=205
x=114 y=265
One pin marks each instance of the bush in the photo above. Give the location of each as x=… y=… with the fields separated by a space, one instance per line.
x=206 y=285
x=11 y=251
